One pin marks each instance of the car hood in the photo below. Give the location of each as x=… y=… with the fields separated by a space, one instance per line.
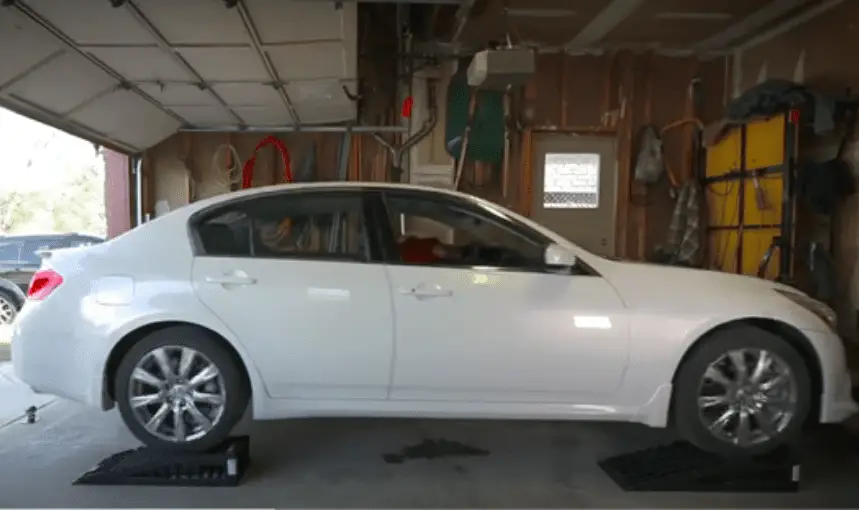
x=639 y=283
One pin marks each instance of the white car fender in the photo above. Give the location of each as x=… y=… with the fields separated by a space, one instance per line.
x=202 y=317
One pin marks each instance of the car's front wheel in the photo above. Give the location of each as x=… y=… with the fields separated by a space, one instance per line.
x=744 y=392
x=180 y=389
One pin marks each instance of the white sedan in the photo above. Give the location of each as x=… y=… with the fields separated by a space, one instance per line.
x=368 y=299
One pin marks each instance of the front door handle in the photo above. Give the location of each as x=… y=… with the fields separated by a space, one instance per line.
x=228 y=279
x=426 y=292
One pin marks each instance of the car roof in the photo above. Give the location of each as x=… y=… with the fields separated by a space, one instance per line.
x=31 y=237
x=306 y=186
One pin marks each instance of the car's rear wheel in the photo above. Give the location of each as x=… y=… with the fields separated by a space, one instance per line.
x=744 y=392
x=9 y=307
x=180 y=389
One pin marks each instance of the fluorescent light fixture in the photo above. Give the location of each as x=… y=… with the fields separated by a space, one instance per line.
x=540 y=13
x=702 y=16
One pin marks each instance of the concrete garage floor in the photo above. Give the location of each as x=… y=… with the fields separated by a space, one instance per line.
x=338 y=463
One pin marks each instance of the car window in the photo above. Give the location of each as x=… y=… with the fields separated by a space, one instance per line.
x=306 y=225
x=9 y=251
x=31 y=247
x=471 y=237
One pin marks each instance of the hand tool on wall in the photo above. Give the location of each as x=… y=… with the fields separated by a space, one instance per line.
x=505 y=167
x=460 y=161
x=397 y=152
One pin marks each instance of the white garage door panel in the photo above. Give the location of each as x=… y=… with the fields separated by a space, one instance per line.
x=80 y=79
x=178 y=94
x=248 y=94
x=280 y=21
x=205 y=115
x=195 y=21
x=92 y=22
x=141 y=64
x=226 y=64
x=127 y=116
x=321 y=101
x=30 y=44
x=311 y=46
x=276 y=115
x=309 y=61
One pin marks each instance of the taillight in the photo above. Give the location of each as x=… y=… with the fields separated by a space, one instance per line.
x=43 y=283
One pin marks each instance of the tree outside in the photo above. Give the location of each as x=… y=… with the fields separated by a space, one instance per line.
x=51 y=182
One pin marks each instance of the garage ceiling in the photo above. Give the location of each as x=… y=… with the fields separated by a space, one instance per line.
x=130 y=76
x=678 y=27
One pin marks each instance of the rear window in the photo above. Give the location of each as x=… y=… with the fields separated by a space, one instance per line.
x=30 y=248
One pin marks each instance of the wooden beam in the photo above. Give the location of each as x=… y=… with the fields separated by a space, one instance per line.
x=748 y=26
x=610 y=17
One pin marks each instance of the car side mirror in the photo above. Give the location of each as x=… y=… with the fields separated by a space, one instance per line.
x=558 y=256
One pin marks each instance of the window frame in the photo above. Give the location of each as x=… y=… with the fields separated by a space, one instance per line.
x=388 y=238
x=40 y=242
x=237 y=204
x=597 y=194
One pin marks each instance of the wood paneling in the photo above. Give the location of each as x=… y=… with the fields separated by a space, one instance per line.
x=817 y=52
x=612 y=95
x=617 y=95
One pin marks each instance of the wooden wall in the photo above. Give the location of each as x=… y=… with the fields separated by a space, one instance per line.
x=817 y=53
x=617 y=95
x=614 y=95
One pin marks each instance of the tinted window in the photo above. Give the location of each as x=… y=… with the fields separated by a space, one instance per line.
x=283 y=226
x=84 y=241
x=30 y=248
x=9 y=251
x=465 y=236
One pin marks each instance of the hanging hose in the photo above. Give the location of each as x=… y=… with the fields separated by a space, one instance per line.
x=225 y=175
x=248 y=168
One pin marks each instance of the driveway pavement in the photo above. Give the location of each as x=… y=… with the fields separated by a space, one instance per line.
x=5 y=353
x=16 y=397
x=342 y=463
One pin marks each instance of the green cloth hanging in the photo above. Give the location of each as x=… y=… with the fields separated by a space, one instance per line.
x=486 y=141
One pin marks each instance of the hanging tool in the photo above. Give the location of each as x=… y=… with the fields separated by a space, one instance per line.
x=760 y=194
x=248 y=168
x=397 y=152
x=672 y=176
x=335 y=234
x=505 y=166
x=460 y=161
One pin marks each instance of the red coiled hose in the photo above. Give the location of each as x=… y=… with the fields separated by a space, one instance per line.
x=248 y=168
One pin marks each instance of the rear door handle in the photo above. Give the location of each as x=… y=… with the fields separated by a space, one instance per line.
x=231 y=280
x=426 y=292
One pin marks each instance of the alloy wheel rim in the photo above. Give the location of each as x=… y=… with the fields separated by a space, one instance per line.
x=747 y=397
x=7 y=311
x=177 y=394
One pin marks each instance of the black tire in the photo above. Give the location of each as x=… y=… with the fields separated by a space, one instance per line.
x=13 y=300
x=685 y=402
x=234 y=382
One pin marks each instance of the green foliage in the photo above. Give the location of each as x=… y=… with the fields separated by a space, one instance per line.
x=79 y=206
x=76 y=205
x=17 y=209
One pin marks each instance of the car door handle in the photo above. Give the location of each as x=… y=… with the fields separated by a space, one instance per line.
x=424 y=292
x=231 y=280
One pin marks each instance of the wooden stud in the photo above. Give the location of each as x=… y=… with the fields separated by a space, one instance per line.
x=624 y=156
x=565 y=78
x=526 y=189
